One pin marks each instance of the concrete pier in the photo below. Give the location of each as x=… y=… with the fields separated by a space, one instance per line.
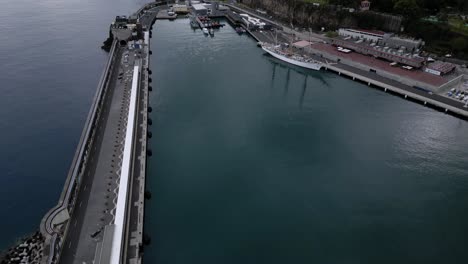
x=83 y=227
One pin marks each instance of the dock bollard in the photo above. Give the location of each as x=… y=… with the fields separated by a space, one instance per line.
x=147 y=195
x=146 y=239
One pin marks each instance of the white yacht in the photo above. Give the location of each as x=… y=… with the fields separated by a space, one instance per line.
x=295 y=59
x=205 y=31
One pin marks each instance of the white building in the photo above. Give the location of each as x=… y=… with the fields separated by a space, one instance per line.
x=200 y=9
x=252 y=22
x=369 y=35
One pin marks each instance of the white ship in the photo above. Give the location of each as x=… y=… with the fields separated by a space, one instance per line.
x=295 y=59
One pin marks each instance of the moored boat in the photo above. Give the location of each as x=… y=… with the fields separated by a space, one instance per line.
x=292 y=58
x=240 y=30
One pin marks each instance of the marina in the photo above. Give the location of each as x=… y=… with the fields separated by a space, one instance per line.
x=332 y=60
x=251 y=130
x=280 y=164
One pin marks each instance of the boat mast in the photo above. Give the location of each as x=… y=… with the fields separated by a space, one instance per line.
x=276 y=37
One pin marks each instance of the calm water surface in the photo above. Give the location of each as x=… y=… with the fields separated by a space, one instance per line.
x=257 y=162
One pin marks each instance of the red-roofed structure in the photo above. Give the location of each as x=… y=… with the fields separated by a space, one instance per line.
x=440 y=68
x=416 y=62
x=417 y=75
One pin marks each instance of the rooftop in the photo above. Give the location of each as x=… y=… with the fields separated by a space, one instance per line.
x=380 y=51
x=443 y=67
x=378 y=64
x=199 y=7
x=375 y=32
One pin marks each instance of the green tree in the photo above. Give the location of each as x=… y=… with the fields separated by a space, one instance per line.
x=407 y=8
x=459 y=44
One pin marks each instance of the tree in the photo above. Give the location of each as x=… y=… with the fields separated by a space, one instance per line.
x=407 y=8
x=459 y=44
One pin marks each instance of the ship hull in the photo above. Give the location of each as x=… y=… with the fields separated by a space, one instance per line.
x=307 y=65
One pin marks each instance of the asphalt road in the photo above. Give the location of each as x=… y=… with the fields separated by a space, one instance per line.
x=97 y=197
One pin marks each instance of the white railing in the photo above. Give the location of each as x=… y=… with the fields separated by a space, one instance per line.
x=125 y=174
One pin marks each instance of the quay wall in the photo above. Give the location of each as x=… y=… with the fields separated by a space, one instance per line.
x=407 y=94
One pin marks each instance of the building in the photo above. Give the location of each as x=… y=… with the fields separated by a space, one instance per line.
x=120 y=21
x=369 y=35
x=132 y=20
x=397 y=42
x=365 y=5
x=254 y=23
x=223 y=8
x=440 y=68
x=180 y=9
x=200 y=9
x=381 y=38
x=382 y=53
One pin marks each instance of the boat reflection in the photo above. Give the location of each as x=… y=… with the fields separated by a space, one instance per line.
x=297 y=69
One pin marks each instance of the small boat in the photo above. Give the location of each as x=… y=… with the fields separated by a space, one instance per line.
x=194 y=24
x=211 y=31
x=240 y=30
x=205 y=31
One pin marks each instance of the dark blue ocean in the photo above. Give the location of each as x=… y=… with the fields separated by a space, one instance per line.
x=253 y=161
x=51 y=62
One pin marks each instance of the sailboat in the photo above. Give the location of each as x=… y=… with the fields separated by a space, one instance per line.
x=286 y=55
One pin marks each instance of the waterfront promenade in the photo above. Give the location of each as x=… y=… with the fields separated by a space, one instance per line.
x=100 y=215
